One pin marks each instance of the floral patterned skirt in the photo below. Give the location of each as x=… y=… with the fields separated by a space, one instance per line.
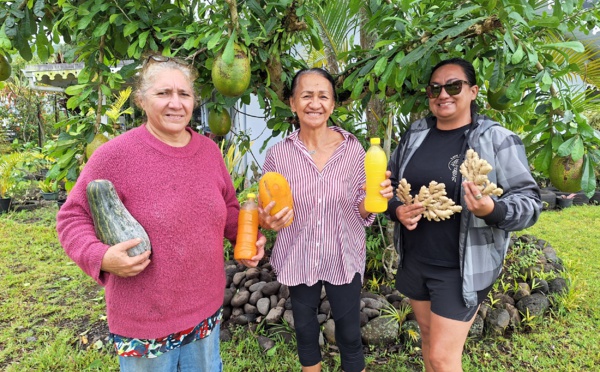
x=153 y=348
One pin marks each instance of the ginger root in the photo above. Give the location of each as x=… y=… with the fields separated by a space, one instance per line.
x=476 y=170
x=437 y=205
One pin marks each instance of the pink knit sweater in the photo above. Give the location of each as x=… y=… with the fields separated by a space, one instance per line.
x=185 y=200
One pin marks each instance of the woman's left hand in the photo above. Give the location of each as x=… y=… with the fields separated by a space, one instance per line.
x=260 y=253
x=480 y=205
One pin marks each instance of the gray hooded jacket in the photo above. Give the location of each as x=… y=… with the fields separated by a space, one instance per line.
x=483 y=242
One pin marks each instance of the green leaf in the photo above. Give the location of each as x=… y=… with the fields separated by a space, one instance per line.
x=576 y=46
x=578 y=149
x=212 y=42
x=228 y=53
x=566 y=148
x=588 y=180
x=380 y=66
x=101 y=30
x=130 y=28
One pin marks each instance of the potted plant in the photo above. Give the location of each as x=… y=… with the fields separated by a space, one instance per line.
x=565 y=200
x=8 y=165
x=48 y=188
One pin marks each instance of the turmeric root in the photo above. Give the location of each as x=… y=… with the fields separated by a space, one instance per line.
x=437 y=205
x=476 y=170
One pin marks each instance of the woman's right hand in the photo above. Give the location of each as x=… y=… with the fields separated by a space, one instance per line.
x=277 y=221
x=409 y=215
x=117 y=262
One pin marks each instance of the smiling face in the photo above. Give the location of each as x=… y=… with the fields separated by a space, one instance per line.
x=168 y=103
x=452 y=111
x=313 y=100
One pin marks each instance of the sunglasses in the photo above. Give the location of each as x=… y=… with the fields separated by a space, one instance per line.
x=161 y=58
x=453 y=88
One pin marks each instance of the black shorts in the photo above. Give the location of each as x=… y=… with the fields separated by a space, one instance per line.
x=440 y=285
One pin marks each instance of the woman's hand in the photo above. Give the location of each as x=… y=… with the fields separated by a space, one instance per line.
x=479 y=205
x=277 y=221
x=409 y=215
x=387 y=191
x=117 y=262
x=260 y=253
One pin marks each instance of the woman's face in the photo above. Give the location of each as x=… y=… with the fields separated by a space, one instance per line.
x=453 y=110
x=313 y=100
x=169 y=103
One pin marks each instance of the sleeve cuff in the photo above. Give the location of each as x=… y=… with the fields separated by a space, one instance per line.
x=393 y=204
x=497 y=215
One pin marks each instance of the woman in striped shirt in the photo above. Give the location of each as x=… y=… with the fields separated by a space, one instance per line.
x=325 y=244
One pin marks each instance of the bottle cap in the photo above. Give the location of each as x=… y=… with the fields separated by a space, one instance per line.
x=375 y=141
x=251 y=196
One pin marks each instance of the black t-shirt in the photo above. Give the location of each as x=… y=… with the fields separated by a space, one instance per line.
x=437 y=159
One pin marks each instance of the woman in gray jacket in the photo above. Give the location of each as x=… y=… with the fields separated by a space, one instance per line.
x=448 y=267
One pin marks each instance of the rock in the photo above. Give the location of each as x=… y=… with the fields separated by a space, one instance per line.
x=539 y=286
x=275 y=315
x=288 y=304
x=373 y=303
x=371 y=313
x=250 y=282
x=364 y=319
x=411 y=333
x=257 y=286
x=225 y=335
x=558 y=285
x=250 y=309
x=228 y=296
x=380 y=331
x=288 y=316
x=550 y=254
x=254 y=297
x=252 y=273
x=226 y=312
x=265 y=276
x=536 y=304
x=497 y=321
x=265 y=343
x=263 y=305
x=271 y=288
x=393 y=298
x=329 y=331
x=237 y=311
x=513 y=313
x=280 y=302
x=503 y=298
x=238 y=277
x=284 y=291
x=523 y=291
x=322 y=318
x=325 y=307
x=476 y=329
x=243 y=319
x=240 y=298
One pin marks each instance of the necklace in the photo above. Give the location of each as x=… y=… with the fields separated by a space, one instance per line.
x=312 y=152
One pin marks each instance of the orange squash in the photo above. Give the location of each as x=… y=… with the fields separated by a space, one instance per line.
x=272 y=186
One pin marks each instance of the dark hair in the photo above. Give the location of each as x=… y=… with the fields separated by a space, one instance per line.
x=467 y=68
x=305 y=71
x=315 y=70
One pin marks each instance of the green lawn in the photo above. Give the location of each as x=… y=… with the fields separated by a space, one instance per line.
x=52 y=316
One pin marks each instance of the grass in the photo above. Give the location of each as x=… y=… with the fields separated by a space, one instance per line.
x=52 y=316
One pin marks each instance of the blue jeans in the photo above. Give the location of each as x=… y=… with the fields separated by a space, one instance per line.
x=199 y=356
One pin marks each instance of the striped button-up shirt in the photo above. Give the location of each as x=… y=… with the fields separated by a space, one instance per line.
x=326 y=241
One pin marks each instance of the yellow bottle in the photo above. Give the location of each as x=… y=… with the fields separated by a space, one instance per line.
x=247 y=234
x=375 y=167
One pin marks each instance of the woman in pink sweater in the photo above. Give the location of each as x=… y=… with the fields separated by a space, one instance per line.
x=163 y=309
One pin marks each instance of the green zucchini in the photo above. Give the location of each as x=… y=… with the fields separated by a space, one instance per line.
x=112 y=221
